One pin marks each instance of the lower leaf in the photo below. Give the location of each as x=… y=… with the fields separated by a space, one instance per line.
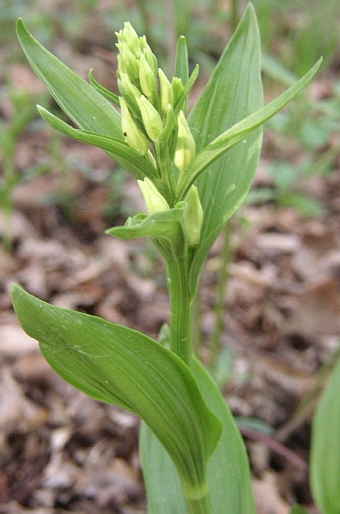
x=228 y=479
x=118 y=365
x=325 y=448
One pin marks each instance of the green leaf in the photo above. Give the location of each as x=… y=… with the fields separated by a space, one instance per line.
x=165 y=227
x=79 y=100
x=111 y=97
x=138 y=166
x=325 y=448
x=226 y=123
x=240 y=130
x=181 y=60
x=118 y=365
x=233 y=92
x=228 y=469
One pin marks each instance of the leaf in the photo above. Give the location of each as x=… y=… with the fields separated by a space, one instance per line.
x=241 y=129
x=118 y=365
x=325 y=448
x=116 y=148
x=181 y=60
x=233 y=92
x=79 y=100
x=226 y=123
x=106 y=93
x=165 y=227
x=228 y=469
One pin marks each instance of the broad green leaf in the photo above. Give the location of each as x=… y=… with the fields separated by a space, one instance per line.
x=226 y=123
x=325 y=448
x=79 y=100
x=233 y=92
x=118 y=365
x=136 y=165
x=228 y=469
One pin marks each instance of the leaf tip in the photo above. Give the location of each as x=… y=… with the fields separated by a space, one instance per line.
x=20 y=26
x=14 y=289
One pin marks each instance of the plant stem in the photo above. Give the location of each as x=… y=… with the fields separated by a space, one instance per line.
x=181 y=308
x=199 y=506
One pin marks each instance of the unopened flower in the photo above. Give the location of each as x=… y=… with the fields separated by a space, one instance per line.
x=185 y=147
x=133 y=135
x=147 y=78
x=193 y=217
x=166 y=92
x=154 y=201
x=152 y=121
x=127 y=62
x=129 y=91
x=177 y=88
x=128 y=36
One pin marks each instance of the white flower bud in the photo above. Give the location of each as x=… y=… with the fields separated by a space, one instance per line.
x=154 y=201
x=193 y=217
x=133 y=136
x=152 y=121
x=185 y=147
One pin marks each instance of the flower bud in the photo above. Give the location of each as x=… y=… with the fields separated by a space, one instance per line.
x=185 y=147
x=154 y=201
x=147 y=78
x=127 y=62
x=193 y=217
x=133 y=136
x=148 y=54
x=177 y=88
x=129 y=91
x=167 y=95
x=129 y=37
x=151 y=119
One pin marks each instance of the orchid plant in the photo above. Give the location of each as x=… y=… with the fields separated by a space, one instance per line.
x=193 y=172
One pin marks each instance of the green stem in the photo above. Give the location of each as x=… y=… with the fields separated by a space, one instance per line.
x=199 y=506
x=181 y=315
x=181 y=307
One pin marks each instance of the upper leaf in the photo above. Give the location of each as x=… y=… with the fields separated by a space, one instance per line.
x=79 y=100
x=138 y=166
x=118 y=365
x=226 y=122
x=233 y=92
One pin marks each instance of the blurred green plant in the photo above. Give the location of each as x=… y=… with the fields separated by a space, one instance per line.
x=23 y=112
x=286 y=190
x=297 y=32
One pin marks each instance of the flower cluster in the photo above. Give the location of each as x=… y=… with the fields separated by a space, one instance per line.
x=154 y=125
